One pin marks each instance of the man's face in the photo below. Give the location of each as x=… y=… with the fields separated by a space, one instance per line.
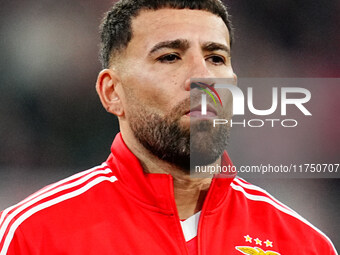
x=168 y=47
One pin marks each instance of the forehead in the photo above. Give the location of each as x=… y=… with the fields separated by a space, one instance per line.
x=151 y=26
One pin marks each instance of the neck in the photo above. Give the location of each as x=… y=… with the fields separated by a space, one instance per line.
x=189 y=192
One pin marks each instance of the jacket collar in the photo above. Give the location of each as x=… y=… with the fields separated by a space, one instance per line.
x=156 y=190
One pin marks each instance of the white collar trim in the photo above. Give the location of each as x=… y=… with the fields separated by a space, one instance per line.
x=190 y=225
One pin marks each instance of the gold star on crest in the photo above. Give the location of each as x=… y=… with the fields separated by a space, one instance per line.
x=268 y=243
x=248 y=238
x=258 y=241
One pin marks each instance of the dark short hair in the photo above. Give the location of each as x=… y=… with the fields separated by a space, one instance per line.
x=116 y=31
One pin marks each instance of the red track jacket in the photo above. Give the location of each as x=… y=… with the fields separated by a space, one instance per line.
x=116 y=208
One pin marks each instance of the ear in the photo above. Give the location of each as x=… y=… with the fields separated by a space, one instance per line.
x=107 y=87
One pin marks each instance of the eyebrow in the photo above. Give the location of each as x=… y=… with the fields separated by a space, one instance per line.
x=178 y=44
x=212 y=46
x=182 y=44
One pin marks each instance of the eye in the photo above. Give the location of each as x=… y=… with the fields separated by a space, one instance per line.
x=169 y=58
x=216 y=60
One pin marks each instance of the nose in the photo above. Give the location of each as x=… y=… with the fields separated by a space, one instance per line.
x=197 y=68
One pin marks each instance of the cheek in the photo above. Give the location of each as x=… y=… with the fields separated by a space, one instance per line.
x=226 y=72
x=156 y=88
x=147 y=93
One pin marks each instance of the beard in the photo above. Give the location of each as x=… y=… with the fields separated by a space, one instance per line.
x=185 y=147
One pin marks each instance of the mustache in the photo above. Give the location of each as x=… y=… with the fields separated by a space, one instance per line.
x=180 y=108
x=183 y=106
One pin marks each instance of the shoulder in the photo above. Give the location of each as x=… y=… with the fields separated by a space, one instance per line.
x=282 y=218
x=42 y=201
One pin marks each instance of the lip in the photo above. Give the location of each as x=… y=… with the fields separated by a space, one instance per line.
x=196 y=112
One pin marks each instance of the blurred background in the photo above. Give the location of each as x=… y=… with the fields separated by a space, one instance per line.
x=53 y=125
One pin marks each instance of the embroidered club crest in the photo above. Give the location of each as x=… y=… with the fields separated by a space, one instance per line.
x=254 y=251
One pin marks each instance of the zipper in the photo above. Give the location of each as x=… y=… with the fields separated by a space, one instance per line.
x=178 y=221
x=201 y=219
